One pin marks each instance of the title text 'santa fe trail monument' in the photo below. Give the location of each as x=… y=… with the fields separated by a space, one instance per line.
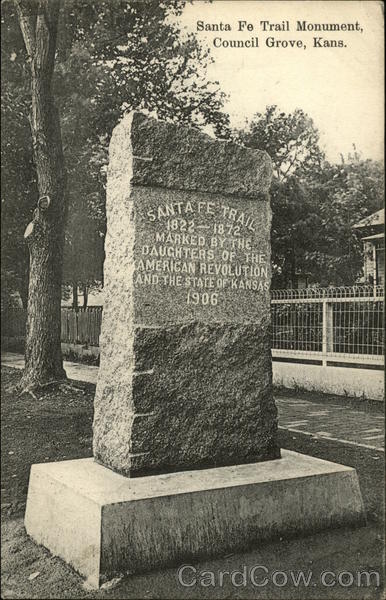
x=186 y=457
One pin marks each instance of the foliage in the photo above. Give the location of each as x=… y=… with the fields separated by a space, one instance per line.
x=345 y=194
x=112 y=56
x=291 y=140
x=314 y=203
x=18 y=180
x=296 y=227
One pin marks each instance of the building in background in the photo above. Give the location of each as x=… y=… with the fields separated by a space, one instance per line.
x=372 y=232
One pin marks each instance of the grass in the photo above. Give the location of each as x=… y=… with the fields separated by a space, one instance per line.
x=58 y=426
x=364 y=404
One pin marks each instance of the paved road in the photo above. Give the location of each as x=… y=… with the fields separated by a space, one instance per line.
x=338 y=422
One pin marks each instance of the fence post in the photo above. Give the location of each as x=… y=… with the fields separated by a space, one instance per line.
x=76 y=327
x=327 y=331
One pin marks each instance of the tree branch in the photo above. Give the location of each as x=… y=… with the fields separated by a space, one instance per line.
x=204 y=100
x=292 y=162
x=27 y=18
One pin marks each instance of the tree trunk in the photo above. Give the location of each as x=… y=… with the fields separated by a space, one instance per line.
x=75 y=305
x=293 y=267
x=23 y=285
x=43 y=358
x=85 y=295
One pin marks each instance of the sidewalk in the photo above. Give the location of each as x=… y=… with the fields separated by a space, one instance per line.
x=76 y=371
x=337 y=422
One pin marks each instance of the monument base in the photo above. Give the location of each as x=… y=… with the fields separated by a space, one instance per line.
x=104 y=524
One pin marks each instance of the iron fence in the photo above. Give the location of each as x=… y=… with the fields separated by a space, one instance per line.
x=333 y=324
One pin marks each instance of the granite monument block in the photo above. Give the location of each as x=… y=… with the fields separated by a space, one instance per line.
x=185 y=370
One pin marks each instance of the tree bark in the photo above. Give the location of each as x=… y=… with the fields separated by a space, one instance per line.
x=75 y=296
x=43 y=359
x=85 y=295
x=23 y=287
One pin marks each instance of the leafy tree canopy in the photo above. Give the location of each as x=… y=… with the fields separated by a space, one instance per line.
x=345 y=193
x=112 y=56
x=314 y=203
x=291 y=140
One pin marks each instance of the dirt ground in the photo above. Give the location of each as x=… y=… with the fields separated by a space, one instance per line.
x=57 y=426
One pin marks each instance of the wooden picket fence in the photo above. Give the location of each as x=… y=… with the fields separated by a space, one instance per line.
x=80 y=326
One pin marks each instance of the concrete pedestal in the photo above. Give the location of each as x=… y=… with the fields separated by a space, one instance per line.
x=104 y=524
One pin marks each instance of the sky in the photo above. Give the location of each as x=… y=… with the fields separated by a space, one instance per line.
x=341 y=88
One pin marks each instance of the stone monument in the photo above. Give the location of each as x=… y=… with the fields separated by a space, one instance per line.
x=185 y=376
x=186 y=457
